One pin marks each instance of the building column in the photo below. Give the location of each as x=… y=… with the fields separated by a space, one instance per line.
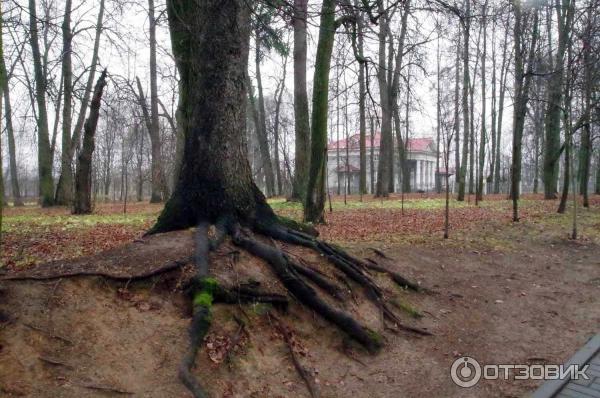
x=422 y=174
x=432 y=175
x=417 y=174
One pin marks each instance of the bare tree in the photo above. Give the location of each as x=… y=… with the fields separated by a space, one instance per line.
x=83 y=178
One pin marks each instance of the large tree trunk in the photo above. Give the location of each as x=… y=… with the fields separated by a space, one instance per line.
x=64 y=185
x=315 y=190
x=210 y=44
x=83 y=177
x=46 y=184
x=301 y=117
x=65 y=181
x=384 y=167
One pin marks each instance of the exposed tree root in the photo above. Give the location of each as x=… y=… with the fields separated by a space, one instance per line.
x=169 y=266
x=318 y=279
x=353 y=267
x=293 y=273
x=304 y=293
x=313 y=389
x=396 y=277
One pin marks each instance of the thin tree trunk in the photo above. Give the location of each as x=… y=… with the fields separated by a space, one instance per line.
x=83 y=177
x=372 y=155
x=315 y=192
x=466 y=26
x=479 y=190
x=160 y=188
x=279 y=96
x=362 y=94
x=490 y=178
x=585 y=151
x=263 y=140
x=438 y=187
x=503 y=72
x=140 y=161
x=597 y=190
x=552 y=148
x=457 y=164
x=64 y=185
x=12 y=156
x=3 y=79
x=523 y=80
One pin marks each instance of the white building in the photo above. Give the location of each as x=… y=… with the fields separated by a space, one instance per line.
x=421 y=153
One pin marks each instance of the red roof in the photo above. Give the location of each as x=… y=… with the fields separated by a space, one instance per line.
x=414 y=144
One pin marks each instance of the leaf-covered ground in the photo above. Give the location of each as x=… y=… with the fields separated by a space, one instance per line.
x=32 y=235
x=504 y=292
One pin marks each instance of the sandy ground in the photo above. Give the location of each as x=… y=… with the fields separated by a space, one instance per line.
x=535 y=300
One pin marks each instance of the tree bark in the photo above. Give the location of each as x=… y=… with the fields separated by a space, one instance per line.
x=160 y=188
x=10 y=135
x=83 y=177
x=479 y=190
x=210 y=44
x=3 y=79
x=278 y=98
x=362 y=96
x=301 y=117
x=523 y=80
x=552 y=147
x=64 y=194
x=65 y=180
x=261 y=129
x=585 y=151
x=456 y=126
x=490 y=177
x=502 y=92
x=46 y=184
x=315 y=191
x=466 y=27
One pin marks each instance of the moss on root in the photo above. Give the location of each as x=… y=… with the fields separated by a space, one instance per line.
x=298 y=226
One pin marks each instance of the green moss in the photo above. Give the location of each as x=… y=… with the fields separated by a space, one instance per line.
x=307 y=228
x=204 y=299
x=209 y=284
x=376 y=337
x=408 y=308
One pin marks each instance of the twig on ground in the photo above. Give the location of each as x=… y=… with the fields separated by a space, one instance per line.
x=49 y=334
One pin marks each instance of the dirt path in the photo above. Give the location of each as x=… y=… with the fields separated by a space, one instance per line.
x=535 y=301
